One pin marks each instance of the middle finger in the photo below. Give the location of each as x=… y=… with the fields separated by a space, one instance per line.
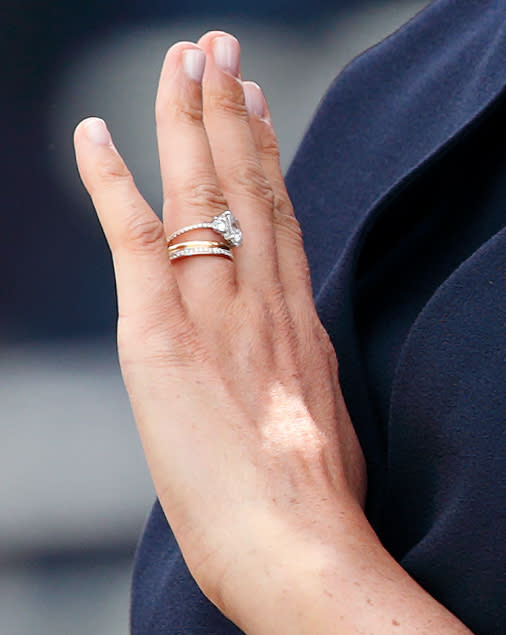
x=237 y=162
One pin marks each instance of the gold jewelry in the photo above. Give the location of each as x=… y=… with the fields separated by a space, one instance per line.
x=199 y=248
x=198 y=243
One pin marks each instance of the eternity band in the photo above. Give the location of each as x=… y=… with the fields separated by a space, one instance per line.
x=199 y=248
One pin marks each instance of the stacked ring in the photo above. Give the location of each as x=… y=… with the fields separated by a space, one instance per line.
x=199 y=248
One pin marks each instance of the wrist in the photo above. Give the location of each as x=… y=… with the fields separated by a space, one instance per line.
x=336 y=579
x=289 y=577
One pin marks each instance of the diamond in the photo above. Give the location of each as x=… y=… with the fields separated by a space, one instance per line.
x=228 y=226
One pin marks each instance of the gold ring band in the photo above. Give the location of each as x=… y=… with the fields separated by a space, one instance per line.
x=199 y=248
x=197 y=244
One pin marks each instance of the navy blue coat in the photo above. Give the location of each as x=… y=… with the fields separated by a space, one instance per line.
x=400 y=187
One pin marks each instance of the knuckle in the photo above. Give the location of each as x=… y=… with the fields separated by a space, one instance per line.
x=188 y=112
x=230 y=103
x=269 y=145
x=249 y=177
x=141 y=231
x=113 y=169
x=322 y=339
x=202 y=193
x=164 y=332
x=285 y=221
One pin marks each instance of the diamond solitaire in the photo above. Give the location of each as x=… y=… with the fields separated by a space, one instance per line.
x=225 y=224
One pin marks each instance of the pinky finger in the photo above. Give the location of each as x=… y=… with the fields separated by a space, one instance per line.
x=147 y=291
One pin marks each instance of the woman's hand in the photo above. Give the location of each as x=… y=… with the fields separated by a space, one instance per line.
x=231 y=376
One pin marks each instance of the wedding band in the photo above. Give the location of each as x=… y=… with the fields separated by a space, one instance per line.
x=199 y=248
x=197 y=244
x=225 y=224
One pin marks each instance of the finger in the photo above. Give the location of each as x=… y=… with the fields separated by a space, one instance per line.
x=191 y=191
x=148 y=295
x=292 y=261
x=293 y=266
x=237 y=164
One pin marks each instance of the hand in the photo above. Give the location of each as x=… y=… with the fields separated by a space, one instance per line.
x=232 y=379
x=231 y=376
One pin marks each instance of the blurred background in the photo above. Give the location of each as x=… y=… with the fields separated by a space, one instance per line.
x=74 y=489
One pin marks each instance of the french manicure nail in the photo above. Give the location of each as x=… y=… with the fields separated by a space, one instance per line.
x=194 y=62
x=97 y=132
x=253 y=96
x=226 y=53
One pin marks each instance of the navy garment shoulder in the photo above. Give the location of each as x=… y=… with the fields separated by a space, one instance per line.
x=409 y=118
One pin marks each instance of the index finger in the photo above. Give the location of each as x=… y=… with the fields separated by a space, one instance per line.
x=147 y=290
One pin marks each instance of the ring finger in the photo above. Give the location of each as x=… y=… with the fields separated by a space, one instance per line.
x=238 y=166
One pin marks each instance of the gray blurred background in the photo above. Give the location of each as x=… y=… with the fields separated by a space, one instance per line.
x=74 y=488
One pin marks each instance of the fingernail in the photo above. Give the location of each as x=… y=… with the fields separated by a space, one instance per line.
x=194 y=62
x=254 y=98
x=97 y=132
x=227 y=53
